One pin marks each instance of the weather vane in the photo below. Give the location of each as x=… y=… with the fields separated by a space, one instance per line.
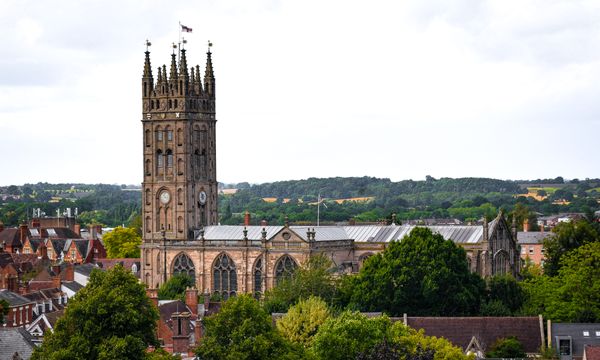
x=148 y=44
x=209 y=45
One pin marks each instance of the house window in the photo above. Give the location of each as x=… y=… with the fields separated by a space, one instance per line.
x=159 y=135
x=531 y=250
x=597 y=333
x=564 y=347
x=285 y=268
x=224 y=277
x=73 y=254
x=586 y=333
x=169 y=135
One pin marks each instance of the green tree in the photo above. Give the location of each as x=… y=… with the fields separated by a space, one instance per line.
x=4 y=306
x=567 y=236
x=175 y=287
x=509 y=347
x=313 y=278
x=243 y=330
x=422 y=274
x=504 y=290
x=122 y=243
x=574 y=294
x=352 y=335
x=111 y=318
x=348 y=335
x=302 y=320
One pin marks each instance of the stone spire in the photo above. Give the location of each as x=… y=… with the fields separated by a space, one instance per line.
x=183 y=66
x=198 y=83
x=173 y=75
x=209 y=76
x=147 y=67
x=147 y=80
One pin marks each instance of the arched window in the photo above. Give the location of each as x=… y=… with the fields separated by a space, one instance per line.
x=148 y=136
x=180 y=166
x=500 y=263
x=148 y=225
x=224 y=277
x=184 y=265
x=148 y=197
x=284 y=269
x=180 y=196
x=180 y=224
x=179 y=137
x=148 y=167
x=258 y=277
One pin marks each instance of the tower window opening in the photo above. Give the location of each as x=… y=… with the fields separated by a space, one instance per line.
x=169 y=135
x=159 y=159
x=170 y=104
x=159 y=135
x=169 y=158
x=175 y=103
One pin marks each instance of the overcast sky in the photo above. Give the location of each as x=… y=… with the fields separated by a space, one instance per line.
x=311 y=88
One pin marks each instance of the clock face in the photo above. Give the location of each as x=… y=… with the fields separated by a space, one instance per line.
x=202 y=197
x=165 y=197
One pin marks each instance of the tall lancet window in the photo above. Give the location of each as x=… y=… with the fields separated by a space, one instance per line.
x=258 y=277
x=224 y=277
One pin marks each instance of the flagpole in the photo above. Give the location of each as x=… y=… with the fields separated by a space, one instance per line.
x=179 y=45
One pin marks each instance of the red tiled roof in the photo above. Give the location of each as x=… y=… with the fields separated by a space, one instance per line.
x=592 y=352
x=460 y=330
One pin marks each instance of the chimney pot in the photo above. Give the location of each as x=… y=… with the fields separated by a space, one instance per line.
x=247 y=218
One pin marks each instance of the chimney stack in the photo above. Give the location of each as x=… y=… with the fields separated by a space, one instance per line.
x=247 y=218
x=191 y=300
x=181 y=337
x=23 y=233
x=70 y=272
x=77 y=229
x=526 y=225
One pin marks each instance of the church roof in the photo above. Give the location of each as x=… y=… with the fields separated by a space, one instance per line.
x=463 y=234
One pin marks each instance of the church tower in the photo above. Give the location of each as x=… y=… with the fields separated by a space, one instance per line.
x=180 y=180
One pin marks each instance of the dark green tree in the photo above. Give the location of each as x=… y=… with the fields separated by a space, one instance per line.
x=567 y=236
x=175 y=287
x=243 y=330
x=503 y=291
x=111 y=318
x=509 y=347
x=422 y=274
x=4 y=305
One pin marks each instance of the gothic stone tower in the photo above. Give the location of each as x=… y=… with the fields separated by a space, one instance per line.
x=180 y=181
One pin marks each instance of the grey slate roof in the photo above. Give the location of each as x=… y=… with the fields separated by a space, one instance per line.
x=576 y=332
x=14 y=299
x=464 y=234
x=532 y=237
x=72 y=285
x=15 y=340
x=235 y=232
x=85 y=269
